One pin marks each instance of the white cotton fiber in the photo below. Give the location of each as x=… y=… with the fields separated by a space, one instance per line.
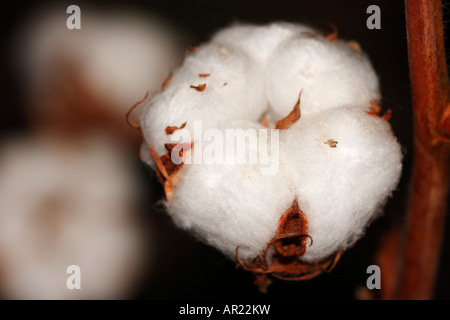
x=339 y=162
x=259 y=42
x=231 y=204
x=65 y=204
x=233 y=91
x=329 y=74
x=340 y=188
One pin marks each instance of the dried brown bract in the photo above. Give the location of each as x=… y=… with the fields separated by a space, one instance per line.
x=200 y=87
x=171 y=129
x=332 y=36
x=290 y=245
x=376 y=111
x=291 y=118
x=166 y=169
x=166 y=81
x=127 y=116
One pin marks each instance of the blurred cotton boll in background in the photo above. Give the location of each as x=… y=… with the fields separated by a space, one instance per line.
x=69 y=188
x=69 y=204
x=89 y=78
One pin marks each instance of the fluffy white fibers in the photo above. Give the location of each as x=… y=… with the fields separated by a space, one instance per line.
x=231 y=203
x=344 y=164
x=259 y=42
x=229 y=87
x=68 y=204
x=339 y=162
x=329 y=74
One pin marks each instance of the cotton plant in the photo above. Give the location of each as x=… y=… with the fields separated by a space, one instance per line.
x=311 y=102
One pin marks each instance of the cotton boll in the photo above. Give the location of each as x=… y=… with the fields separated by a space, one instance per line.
x=259 y=42
x=344 y=164
x=337 y=164
x=328 y=73
x=233 y=90
x=95 y=74
x=139 y=51
x=67 y=204
x=231 y=205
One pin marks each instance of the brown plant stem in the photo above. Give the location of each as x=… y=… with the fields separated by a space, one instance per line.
x=388 y=257
x=430 y=175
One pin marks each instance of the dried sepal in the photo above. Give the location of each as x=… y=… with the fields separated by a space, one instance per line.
x=167 y=80
x=376 y=111
x=166 y=169
x=332 y=36
x=127 y=116
x=204 y=75
x=387 y=116
x=171 y=129
x=292 y=232
x=290 y=245
x=200 y=87
x=375 y=108
x=291 y=118
x=332 y=143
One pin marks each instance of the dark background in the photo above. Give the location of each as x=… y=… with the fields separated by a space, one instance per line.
x=184 y=267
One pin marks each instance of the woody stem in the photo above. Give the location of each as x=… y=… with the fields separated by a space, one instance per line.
x=430 y=174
